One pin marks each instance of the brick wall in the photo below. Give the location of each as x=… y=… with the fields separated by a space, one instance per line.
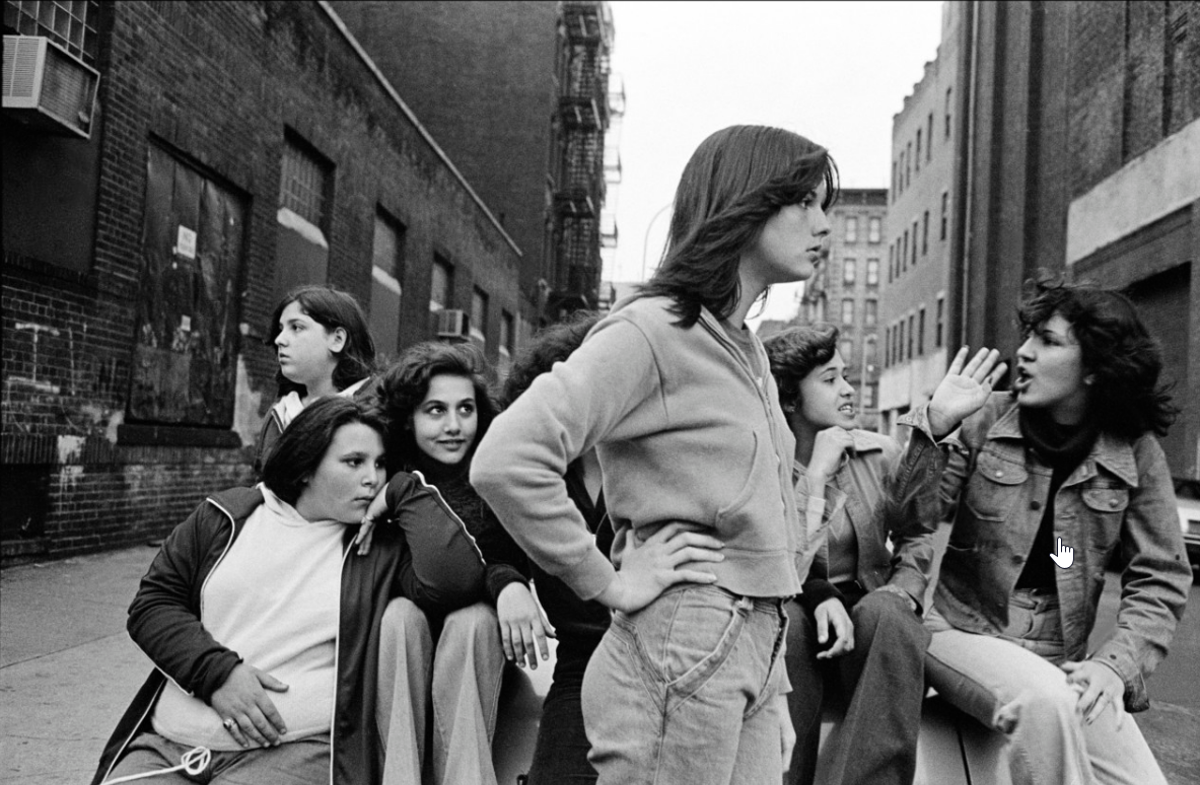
x=481 y=77
x=216 y=84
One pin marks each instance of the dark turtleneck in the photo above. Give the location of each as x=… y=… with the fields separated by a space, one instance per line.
x=1062 y=448
x=505 y=562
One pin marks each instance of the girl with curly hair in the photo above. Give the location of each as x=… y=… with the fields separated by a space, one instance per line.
x=437 y=651
x=1044 y=485
x=675 y=395
x=857 y=625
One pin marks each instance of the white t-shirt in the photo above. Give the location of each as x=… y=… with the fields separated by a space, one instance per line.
x=274 y=599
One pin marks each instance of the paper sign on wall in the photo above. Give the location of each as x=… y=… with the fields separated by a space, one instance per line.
x=185 y=243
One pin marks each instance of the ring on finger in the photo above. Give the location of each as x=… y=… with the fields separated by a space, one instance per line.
x=229 y=723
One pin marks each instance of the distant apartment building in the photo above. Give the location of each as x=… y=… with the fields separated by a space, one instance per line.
x=518 y=94
x=846 y=289
x=1081 y=151
x=912 y=308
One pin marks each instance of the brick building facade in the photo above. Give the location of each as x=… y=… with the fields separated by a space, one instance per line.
x=912 y=304
x=1082 y=157
x=517 y=93
x=236 y=148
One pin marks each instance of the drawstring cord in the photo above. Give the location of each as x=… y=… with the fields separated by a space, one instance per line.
x=193 y=762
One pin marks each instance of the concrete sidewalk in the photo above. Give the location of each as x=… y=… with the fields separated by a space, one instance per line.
x=67 y=667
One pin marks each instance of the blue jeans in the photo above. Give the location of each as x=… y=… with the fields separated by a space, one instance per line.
x=684 y=691
x=1011 y=682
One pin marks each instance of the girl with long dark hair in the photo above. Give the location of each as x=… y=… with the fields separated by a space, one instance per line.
x=324 y=347
x=675 y=395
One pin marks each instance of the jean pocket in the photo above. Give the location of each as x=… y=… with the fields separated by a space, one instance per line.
x=684 y=637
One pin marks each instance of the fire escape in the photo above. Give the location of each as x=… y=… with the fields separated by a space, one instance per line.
x=583 y=118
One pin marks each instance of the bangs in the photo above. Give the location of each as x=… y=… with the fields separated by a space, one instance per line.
x=805 y=177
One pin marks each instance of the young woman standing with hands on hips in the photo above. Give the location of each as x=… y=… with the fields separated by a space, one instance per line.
x=674 y=393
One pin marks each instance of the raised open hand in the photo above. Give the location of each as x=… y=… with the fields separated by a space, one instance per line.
x=964 y=389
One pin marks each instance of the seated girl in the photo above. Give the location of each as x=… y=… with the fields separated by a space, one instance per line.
x=857 y=624
x=451 y=657
x=1045 y=484
x=263 y=625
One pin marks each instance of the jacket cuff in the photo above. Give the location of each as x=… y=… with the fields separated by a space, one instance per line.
x=499 y=576
x=216 y=674
x=912 y=583
x=589 y=576
x=816 y=591
x=1135 y=696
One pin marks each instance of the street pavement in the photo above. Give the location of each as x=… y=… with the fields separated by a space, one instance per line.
x=68 y=669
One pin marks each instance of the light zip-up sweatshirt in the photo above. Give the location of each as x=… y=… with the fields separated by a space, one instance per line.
x=684 y=431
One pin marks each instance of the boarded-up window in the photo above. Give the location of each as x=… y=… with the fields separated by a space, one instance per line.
x=387 y=272
x=185 y=357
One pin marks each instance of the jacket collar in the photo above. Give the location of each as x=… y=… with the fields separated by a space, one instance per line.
x=1111 y=452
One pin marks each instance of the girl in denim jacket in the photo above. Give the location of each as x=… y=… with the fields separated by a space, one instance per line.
x=1044 y=485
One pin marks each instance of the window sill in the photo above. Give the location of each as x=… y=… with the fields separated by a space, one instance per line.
x=176 y=436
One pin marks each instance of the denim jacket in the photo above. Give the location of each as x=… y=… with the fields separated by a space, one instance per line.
x=1120 y=495
x=884 y=493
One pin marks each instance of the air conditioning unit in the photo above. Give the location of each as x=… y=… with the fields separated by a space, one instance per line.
x=45 y=87
x=453 y=324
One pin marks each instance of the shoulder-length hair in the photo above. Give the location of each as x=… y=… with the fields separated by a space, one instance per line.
x=1118 y=351
x=552 y=344
x=303 y=444
x=330 y=308
x=737 y=179
x=405 y=384
x=794 y=354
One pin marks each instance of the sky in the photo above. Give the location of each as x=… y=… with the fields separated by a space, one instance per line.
x=835 y=72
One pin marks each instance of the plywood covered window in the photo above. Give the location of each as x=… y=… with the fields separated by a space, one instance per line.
x=189 y=307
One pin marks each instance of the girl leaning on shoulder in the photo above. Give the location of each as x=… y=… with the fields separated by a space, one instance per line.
x=263 y=624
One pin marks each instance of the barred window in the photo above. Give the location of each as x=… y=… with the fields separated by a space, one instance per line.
x=304 y=183
x=69 y=23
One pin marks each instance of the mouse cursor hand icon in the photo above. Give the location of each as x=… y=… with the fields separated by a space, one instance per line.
x=1065 y=556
